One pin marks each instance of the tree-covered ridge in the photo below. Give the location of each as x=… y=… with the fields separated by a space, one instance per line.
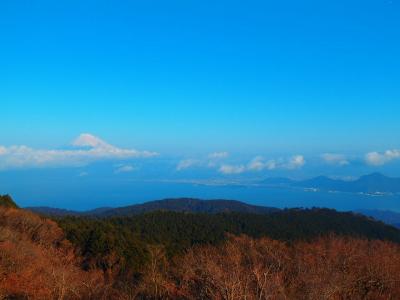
x=386 y=216
x=7 y=201
x=128 y=237
x=290 y=254
x=174 y=204
x=189 y=205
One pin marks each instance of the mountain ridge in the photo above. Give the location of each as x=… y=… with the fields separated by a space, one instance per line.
x=386 y=216
x=190 y=205
x=373 y=183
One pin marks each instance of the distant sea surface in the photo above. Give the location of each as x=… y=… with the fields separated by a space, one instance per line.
x=88 y=196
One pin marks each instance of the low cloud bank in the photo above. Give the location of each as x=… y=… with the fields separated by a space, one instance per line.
x=85 y=149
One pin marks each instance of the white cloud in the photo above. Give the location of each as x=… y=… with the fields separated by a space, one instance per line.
x=3 y=150
x=378 y=159
x=95 y=149
x=258 y=164
x=83 y=174
x=296 y=162
x=218 y=155
x=187 y=163
x=124 y=169
x=375 y=158
x=212 y=160
x=231 y=169
x=335 y=159
x=215 y=159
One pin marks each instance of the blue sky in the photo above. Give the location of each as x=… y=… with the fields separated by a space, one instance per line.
x=271 y=83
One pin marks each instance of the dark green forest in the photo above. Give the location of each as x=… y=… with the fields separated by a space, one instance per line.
x=7 y=201
x=124 y=241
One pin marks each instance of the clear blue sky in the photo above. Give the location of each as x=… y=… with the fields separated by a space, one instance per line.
x=311 y=86
x=179 y=75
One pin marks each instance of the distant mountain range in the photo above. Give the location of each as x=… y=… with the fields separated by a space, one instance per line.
x=374 y=183
x=178 y=205
x=53 y=211
x=386 y=216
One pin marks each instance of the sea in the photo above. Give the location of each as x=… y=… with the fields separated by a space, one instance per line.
x=122 y=193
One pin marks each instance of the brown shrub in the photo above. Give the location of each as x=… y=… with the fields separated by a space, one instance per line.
x=343 y=268
x=36 y=262
x=328 y=268
x=242 y=268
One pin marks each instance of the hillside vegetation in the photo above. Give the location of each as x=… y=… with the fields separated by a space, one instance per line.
x=291 y=254
x=177 y=205
x=128 y=237
x=37 y=262
x=7 y=201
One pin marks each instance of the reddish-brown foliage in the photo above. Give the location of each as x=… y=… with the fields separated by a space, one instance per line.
x=36 y=262
x=328 y=268
x=341 y=268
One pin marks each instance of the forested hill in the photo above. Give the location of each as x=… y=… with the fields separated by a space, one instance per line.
x=181 y=255
x=128 y=237
x=386 y=216
x=178 y=205
x=7 y=201
x=189 y=205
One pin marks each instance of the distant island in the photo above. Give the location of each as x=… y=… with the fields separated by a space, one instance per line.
x=373 y=184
